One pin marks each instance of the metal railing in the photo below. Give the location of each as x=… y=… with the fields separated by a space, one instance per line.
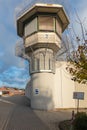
x=19 y=48
x=25 y=6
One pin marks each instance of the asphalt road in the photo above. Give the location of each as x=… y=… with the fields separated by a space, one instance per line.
x=16 y=114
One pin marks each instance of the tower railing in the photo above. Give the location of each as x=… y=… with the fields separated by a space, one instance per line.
x=25 y=6
x=19 y=49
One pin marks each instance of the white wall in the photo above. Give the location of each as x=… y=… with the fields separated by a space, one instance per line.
x=55 y=90
x=44 y=83
x=28 y=89
x=81 y=88
x=64 y=87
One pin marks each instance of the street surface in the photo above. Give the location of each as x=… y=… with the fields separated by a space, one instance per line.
x=16 y=114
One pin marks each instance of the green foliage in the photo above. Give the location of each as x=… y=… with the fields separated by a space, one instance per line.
x=79 y=62
x=80 y=122
x=65 y=125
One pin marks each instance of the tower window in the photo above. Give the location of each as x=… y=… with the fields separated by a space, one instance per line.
x=31 y=27
x=58 y=27
x=46 y=23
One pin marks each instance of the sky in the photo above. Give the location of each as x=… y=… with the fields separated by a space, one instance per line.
x=14 y=70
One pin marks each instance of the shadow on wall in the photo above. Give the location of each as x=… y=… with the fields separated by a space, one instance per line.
x=41 y=97
x=28 y=90
x=42 y=102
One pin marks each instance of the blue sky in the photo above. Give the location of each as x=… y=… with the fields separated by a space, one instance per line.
x=13 y=70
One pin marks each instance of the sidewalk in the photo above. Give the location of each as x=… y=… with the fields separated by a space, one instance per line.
x=15 y=114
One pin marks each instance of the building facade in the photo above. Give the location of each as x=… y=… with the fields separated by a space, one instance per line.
x=41 y=28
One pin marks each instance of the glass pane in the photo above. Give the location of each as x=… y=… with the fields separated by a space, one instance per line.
x=46 y=23
x=31 y=27
x=58 y=27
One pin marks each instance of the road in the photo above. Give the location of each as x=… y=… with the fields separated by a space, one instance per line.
x=16 y=114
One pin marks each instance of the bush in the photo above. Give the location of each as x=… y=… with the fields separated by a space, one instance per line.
x=80 y=122
x=65 y=125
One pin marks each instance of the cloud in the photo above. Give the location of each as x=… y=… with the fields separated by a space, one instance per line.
x=15 y=76
x=11 y=67
x=13 y=70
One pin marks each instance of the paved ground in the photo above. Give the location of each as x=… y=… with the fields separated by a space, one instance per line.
x=15 y=114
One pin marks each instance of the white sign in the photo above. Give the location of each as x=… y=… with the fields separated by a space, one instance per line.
x=36 y=91
x=78 y=95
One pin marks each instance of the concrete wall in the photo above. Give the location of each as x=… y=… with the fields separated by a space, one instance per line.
x=81 y=88
x=43 y=38
x=42 y=91
x=64 y=87
x=55 y=90
x=28 y=90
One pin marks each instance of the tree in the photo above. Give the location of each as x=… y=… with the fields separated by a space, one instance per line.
x=78 y=58
x=79 y=64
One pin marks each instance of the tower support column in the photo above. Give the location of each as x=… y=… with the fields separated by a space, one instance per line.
x=42 y=69
x=41 y=27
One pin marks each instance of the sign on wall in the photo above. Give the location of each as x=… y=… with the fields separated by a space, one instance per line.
x=78 y=95
x=36 y=91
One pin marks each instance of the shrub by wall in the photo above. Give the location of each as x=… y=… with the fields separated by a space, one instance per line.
x=80 y=122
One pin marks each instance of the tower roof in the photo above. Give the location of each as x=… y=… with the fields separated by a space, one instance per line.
x=44 y=8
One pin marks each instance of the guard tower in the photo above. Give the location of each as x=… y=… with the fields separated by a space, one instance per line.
x=41 y=27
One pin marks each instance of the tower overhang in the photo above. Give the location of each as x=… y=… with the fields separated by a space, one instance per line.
x=42 y=8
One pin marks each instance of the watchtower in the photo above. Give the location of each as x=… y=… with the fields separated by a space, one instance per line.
x=41 y=27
